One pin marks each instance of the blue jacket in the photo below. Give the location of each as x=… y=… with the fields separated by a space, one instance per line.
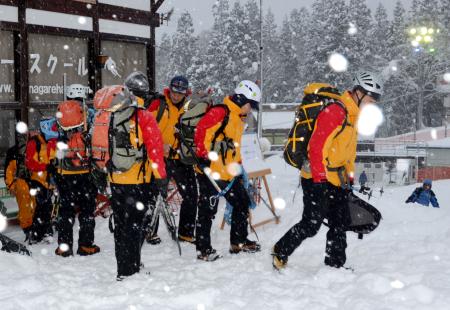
x=362 y=178
x=424 y=197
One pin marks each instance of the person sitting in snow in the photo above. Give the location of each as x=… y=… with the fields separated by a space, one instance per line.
x=424 y=195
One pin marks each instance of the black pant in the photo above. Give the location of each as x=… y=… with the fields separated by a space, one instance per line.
x=237 y=196
x=184 y=176
x=313 y=215
x=76 y=190
x=128 y=230
x=42 y=218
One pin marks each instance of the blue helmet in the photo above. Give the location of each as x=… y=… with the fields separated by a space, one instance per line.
x=179 y=84
x=48 y=128
x=427 y=182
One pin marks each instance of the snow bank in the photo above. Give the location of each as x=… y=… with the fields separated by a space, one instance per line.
x=404 y=264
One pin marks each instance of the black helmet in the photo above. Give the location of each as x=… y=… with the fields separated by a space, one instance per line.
x=137 y=83
x=179 y=84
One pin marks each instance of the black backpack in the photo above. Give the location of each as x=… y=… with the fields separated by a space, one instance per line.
x=363 y=218
x=317 y=97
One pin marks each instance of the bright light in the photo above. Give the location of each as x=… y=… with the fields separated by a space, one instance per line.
x=423 y=30
x=419 y=38
x=21 y=128
x=139 y=206
x=352 y=30
x=369 y=119
x=433 y=134
x=3 y=222
x=216 y=175
x=213 y=156
x=234 y=169
x=415 y=43
x=61 y=146
x=413 y=31
x=447 y=77
x=397 y=284
x=338 y=62
x=279 y=203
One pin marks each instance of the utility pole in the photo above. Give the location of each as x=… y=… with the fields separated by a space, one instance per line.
x=260 y=112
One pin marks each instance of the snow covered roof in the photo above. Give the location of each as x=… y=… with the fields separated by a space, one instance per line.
x=277 y=120
x=441 y=143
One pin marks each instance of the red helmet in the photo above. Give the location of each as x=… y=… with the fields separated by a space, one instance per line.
x=70 y=114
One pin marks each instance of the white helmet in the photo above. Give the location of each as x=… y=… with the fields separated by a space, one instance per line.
x=77 y=91
x=370 y=82
x=249 y=90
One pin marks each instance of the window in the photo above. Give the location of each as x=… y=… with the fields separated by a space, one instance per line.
x=6 y=66
x=124 y=58
x=367 y=165
x=377 y=165
x=7 y=132
x=51 y=57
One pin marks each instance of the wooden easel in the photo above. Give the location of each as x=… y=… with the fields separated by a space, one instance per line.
x=261 y=174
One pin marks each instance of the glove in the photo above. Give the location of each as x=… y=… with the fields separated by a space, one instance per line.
x=162 y=185
x=204 y=163
x=319 y=193
x=51 y=169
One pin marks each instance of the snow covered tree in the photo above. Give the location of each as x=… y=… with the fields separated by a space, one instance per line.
x=183 y=46
x=329 y=25
x=163 y=62
x=271 y=59
x=288 y=63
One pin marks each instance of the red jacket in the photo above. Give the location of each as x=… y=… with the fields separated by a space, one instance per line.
x=328 y=121
x=214 y=116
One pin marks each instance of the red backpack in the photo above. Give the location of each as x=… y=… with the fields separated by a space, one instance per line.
x=110 y=138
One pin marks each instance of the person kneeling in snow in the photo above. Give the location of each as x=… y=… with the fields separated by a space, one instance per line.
x=424 y=195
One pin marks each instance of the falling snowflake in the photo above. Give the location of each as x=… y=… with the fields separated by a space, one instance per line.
x=139 y=206
x=21 y=128
x=213 y=156
x=352 y=30
x=279 y=203
x=369 y=119
x=338 y=62
x=397 y=284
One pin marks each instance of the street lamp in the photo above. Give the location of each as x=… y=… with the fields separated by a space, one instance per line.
x=422 y=39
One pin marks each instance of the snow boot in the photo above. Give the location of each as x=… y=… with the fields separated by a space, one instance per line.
x=247 y=246
x=279 y=261
x=186 y=239
x=209 y=255
x=62 y=253
x=88 y=250
x=153 y=239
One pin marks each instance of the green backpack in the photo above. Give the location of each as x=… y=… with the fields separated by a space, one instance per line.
x=195 y=109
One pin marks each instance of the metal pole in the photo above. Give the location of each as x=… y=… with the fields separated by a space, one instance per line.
x=260 y=112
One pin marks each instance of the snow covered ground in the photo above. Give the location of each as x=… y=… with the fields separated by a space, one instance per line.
x=404 y=264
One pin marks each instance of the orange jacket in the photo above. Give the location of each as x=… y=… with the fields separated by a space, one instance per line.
x=168 y=122
x=150 y=136
x=328 y=150
x=225 y=167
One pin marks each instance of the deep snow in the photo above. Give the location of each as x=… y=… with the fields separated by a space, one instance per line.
x=404 y=264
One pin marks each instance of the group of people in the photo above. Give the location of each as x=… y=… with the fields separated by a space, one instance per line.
x=142 y=154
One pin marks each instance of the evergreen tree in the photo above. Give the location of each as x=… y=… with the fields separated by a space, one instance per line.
x=288 y=63
x=272 y=72
x=300 y=23
x=163 y=62
x=328 y=33
x=183 y=46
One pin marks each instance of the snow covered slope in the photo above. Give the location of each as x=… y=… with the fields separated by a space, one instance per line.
x=404 y=264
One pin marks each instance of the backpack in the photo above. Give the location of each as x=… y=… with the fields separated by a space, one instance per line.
x=114 y=128
x=195 y=109
x=362 y=218
x=317 y=97
x=17 y=153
